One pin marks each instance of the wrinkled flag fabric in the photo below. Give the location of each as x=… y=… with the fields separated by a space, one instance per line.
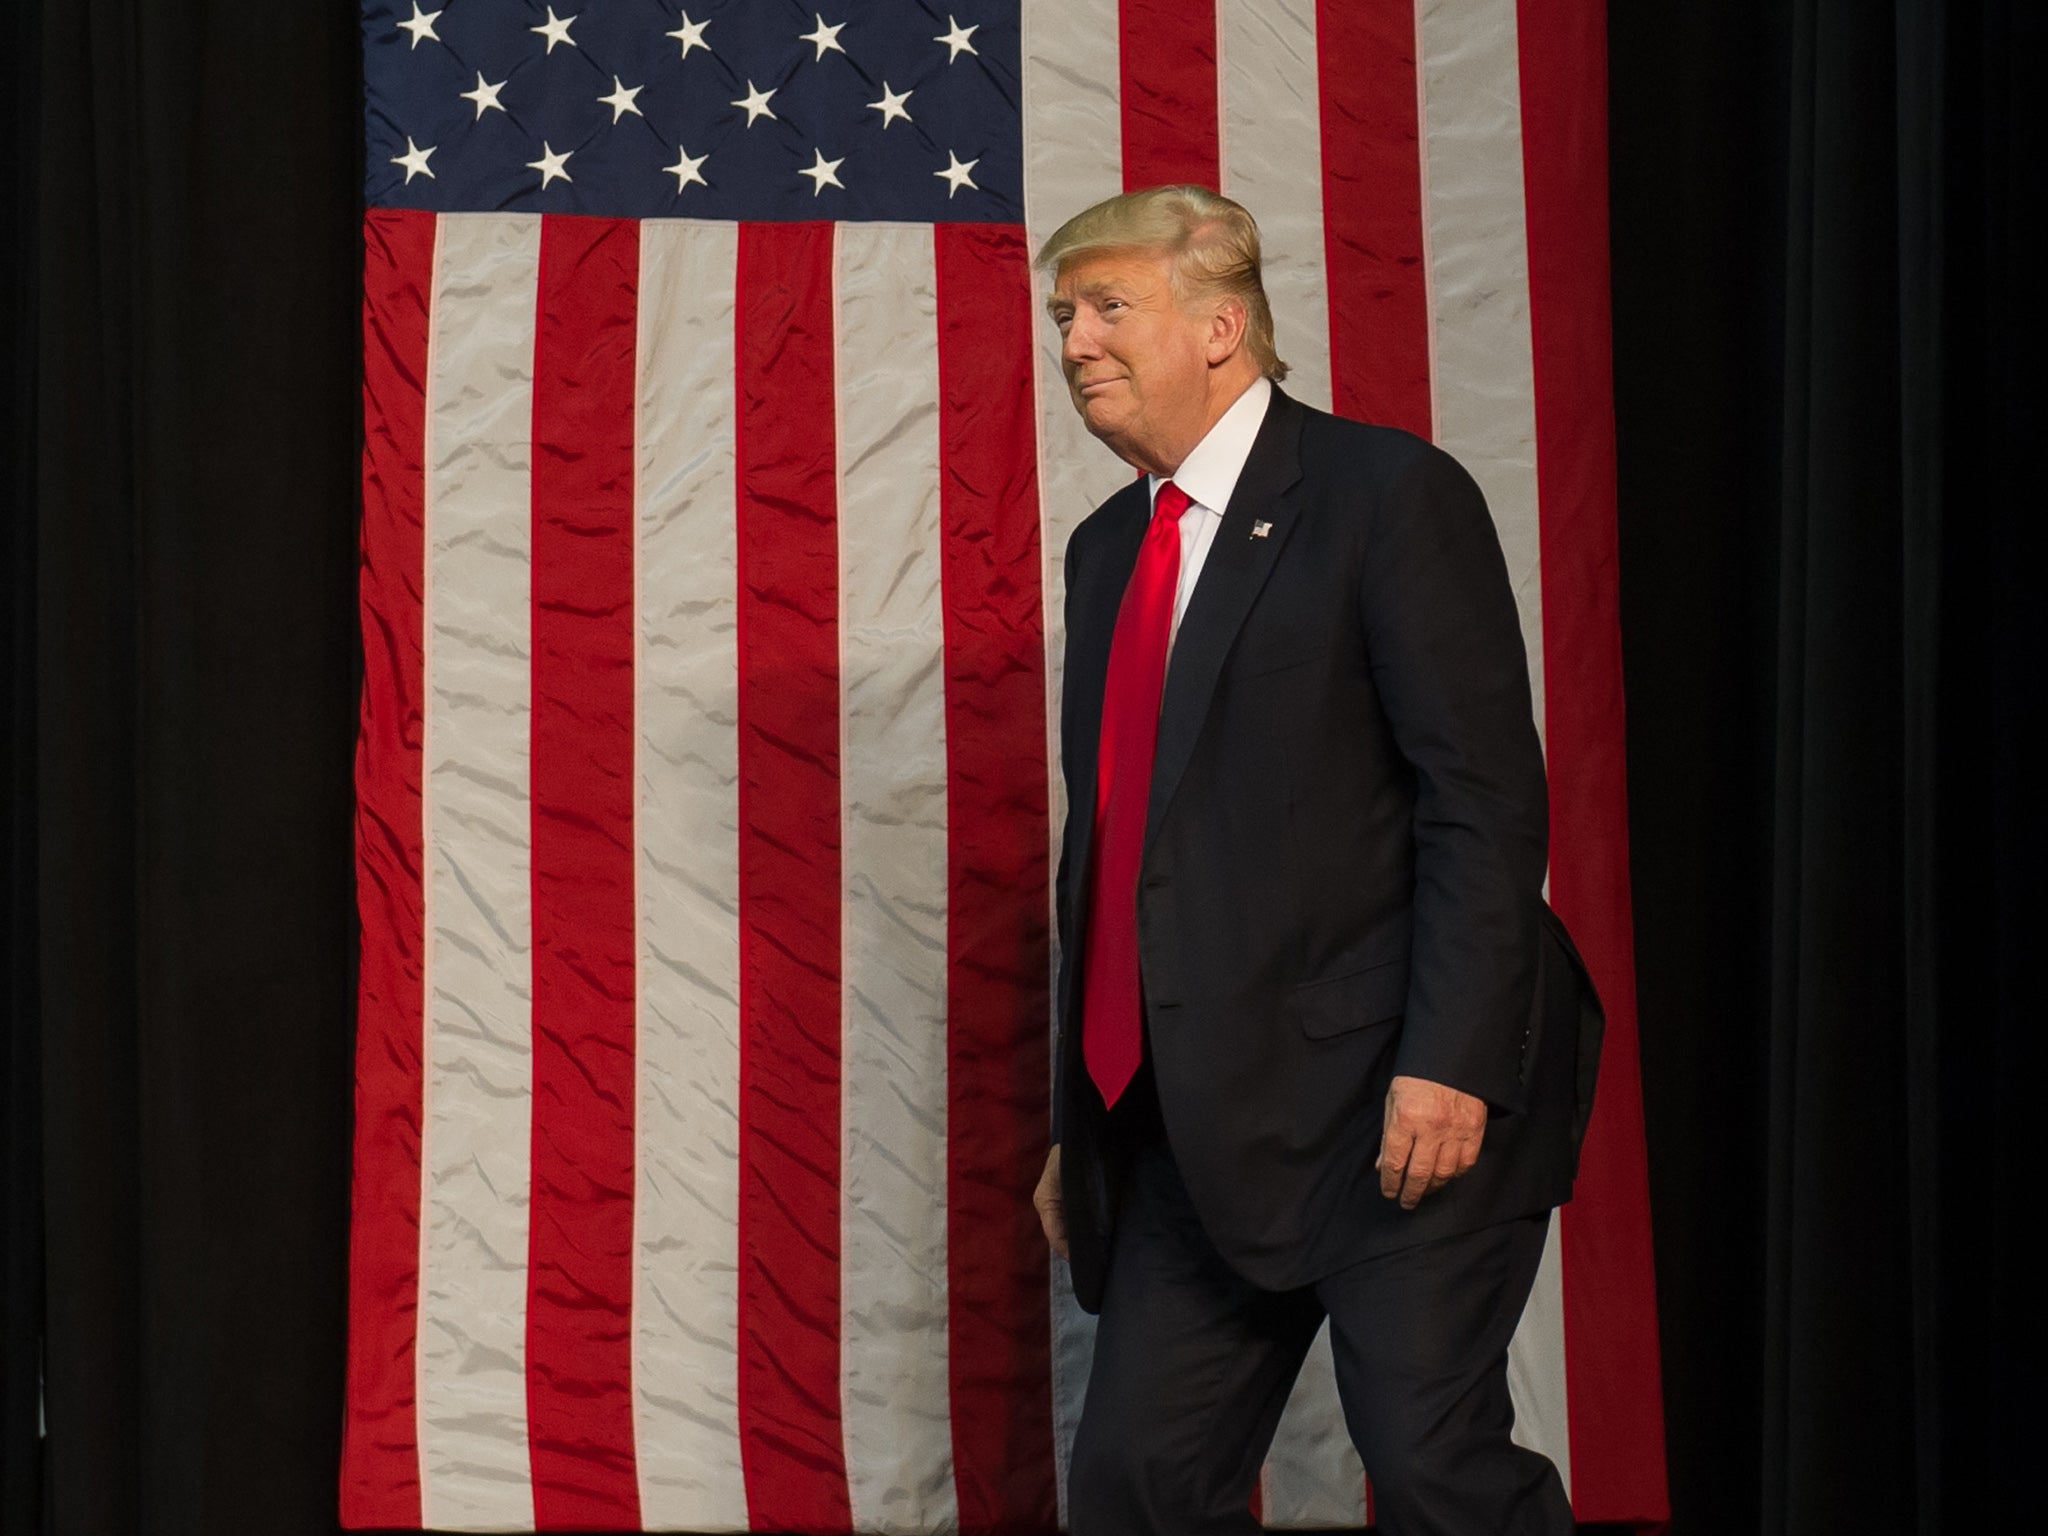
x=717 y=473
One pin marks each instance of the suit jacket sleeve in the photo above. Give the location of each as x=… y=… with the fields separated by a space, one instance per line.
x=1444 y=642
x=1062 y=882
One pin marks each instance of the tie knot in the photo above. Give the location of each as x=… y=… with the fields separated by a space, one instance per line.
x=1171 y=502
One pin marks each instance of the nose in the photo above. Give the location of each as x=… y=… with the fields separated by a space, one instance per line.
x=1081 y=342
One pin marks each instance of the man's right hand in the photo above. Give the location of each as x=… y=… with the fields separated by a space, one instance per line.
x=1052 y=1210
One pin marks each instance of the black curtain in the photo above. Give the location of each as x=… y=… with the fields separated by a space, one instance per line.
x=1827 y=372
x=1827 y=364
x=21 y=1257
x=184 y=673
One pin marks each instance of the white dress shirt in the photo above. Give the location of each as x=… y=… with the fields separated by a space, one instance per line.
x=1209 y=474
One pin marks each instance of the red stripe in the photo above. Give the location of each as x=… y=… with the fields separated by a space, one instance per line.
x=1167 y=65
x=1372 y=212
x=792 y=1445
x=1612 y=1375
x=380 y=1472
x=997 y=948
x=579 y=1336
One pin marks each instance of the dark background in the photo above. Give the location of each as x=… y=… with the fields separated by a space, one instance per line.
x=1828 y=316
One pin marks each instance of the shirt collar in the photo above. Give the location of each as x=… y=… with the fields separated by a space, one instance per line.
x=1209 y=473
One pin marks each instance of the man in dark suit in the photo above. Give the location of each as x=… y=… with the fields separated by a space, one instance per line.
x=1323 y=1050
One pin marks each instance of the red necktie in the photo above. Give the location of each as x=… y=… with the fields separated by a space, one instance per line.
x=1112 y=1024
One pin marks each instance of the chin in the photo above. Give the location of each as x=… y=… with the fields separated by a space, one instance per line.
x=1102 y=419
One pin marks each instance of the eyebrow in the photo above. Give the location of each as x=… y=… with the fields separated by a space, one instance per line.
x=1086 y=290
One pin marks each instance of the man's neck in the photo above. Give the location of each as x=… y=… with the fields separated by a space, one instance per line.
x=1226 y=388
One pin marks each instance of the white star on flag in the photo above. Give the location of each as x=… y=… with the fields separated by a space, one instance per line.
x=556 y=30
x=485 y=95
x=891 y=105
x=955 y=175
x=825 y=173
x=415 y=159
x=421 y=25
x=755 y=103
x=956 y=38
x=621 y=99
x=690 y=34
x=687 y=169
x=550 y=165
x=826 y=38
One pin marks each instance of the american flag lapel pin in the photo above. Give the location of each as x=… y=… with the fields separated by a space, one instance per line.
x=1261 y=528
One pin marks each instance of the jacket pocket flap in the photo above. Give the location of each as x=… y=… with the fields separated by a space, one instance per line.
x=1344 y=1003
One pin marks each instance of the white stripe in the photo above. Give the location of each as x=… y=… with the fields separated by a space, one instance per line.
x=1479 y=279
x=896 y=1404
x=1073 y=140
x=1428 y=256
x=1536 y=1364
x=1486 y=402
x=477 y=1136
x=1272 y=162
x=1271 y=158
x=1485 y=415
x=686 y=1198
x=1313 y=1478
x=1073 y=132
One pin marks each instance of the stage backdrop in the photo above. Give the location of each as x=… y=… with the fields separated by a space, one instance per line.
x=717 y=474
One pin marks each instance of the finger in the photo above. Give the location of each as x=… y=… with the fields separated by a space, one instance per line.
x=1448 y=1165
x=1051 y=1207
x=1415 y=1180
x=1396 y=1146
x=1052 y=1218
x=1468 y=1149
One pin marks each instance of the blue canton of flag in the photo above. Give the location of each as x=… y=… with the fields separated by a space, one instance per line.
x=713 y=109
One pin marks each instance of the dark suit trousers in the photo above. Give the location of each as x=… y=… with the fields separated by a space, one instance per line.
x=1193 y=1365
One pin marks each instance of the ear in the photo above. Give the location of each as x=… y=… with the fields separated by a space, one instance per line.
x=1225 y=334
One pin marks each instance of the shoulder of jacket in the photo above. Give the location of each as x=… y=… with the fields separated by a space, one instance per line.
x=1389 y=450
x=1387 y=466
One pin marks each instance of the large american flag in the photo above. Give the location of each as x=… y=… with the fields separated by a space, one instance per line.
x=717 y=473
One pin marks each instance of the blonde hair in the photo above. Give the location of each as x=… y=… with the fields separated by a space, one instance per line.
x=1212 y=242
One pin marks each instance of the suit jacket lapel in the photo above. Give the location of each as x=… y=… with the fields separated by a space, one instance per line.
x=1237 y=567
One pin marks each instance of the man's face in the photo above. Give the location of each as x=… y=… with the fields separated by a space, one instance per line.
x=1136 y=361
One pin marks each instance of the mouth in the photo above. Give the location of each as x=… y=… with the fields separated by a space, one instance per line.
x=1088 y=388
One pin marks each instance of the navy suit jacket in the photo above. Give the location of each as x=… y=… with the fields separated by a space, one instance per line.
x=1343 y=861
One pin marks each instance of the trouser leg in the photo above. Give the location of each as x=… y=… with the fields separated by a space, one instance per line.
x=1421 y=1344
x=1192 y=1368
